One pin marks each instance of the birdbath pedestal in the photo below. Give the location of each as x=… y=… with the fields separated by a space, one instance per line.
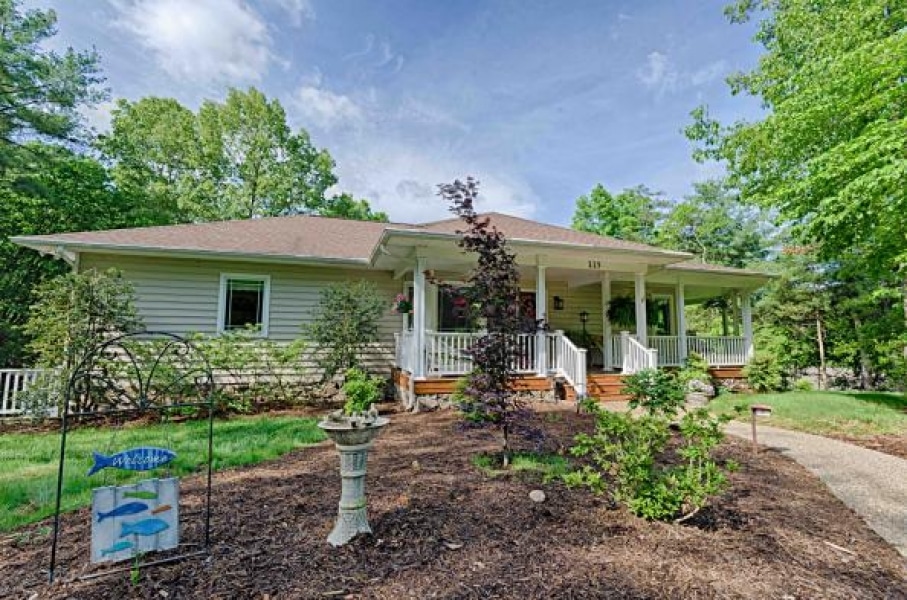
x=353 y=437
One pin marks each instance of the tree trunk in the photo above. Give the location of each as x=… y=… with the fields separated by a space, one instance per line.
x=904 y=302
x=865 y=363
x=820 y=340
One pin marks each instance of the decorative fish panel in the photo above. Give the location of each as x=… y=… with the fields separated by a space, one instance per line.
x=129 y=519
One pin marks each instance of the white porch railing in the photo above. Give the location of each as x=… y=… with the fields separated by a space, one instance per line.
x=636 y=357
x=404 y=351
x=446 y=353
x=718 y=351
x=13 y=382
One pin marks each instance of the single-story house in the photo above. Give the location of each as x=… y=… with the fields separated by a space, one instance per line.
x=212 y=277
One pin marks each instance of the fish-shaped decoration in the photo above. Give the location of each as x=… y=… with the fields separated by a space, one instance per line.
x=130 y=508
x=141 y=495
x=144 y=527
x=161 y=508
x=118 y=547
x=134 y=459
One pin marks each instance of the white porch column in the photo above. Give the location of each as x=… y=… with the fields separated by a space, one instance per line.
x=640 y=297
x=607 y=359
x=419 y=301
x=747 y=314
x=681 y=321
x=541 y=314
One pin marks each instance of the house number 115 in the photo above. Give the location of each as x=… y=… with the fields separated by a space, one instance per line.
x=595 y=264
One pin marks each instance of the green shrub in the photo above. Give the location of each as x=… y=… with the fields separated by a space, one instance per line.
x=628 y=459
x=658 y=392
x=361 y=391
x=804 y=385
x=765 y=374
x=695 y=368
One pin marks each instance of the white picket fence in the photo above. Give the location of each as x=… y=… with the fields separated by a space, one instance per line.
x=13 y=382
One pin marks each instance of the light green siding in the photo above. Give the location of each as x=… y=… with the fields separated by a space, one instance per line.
x=181 y=295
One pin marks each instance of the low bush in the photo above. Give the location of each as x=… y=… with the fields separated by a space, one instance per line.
x=695 y=368
x=361 y=391
x=804 y=385
x=765 y=374
x=633 y=460
x=657 y=391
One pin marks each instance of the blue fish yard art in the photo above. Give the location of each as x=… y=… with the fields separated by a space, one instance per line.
x=145 y=527
x=130 y=508
x=134 y=459
x=124 y=526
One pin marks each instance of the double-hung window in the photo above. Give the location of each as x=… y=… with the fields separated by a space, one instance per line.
x=243 y=302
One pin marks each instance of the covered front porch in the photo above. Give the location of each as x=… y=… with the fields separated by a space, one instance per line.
x=602 y=310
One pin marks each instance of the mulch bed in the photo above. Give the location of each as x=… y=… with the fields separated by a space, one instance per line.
x=443 y=529
x=895 y=445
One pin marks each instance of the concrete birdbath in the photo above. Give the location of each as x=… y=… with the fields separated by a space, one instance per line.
x=353 y=436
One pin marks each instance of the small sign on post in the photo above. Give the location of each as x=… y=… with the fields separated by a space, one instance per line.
x=758 y=410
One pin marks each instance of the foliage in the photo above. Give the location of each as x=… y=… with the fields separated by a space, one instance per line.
x=231 y=160
x=803 y=385
x=74 y=314
x=628 y=458
x=492 y=293
x=765 y=373
x=695 y=368
x=657 y=391
x=42 y=88
x=622 y=311
x=254 y=370
x=29 y=460
x=716 y=226
x=344 y=324
x=549 y=466
x=829 y=155
x=361 y=391
x=633 y=214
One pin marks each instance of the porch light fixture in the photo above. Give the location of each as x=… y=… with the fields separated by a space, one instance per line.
x=558 y=303
x=584 y=318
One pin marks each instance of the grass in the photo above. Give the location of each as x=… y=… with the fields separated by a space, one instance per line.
x=549 y=466
x=29 y=461
x=859 y=414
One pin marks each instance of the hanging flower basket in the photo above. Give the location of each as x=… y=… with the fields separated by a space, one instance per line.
x=402 y=305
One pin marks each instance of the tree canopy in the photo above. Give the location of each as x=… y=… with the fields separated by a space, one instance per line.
x=831 y=154
x=629 y=215
x=235 y=159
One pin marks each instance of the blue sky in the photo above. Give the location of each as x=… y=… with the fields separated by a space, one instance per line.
x=540 y=100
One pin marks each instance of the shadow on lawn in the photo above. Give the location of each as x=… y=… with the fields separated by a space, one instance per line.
x=890 y=400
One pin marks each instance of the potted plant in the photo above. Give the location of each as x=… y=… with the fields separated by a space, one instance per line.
x=402 y=305
x=353 y=429
x=622 y=312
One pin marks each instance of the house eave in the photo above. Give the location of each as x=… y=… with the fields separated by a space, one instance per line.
x=55 y=247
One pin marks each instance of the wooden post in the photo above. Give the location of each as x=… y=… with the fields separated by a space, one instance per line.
x=541 y=313
x=681 y=322
x=419 y=299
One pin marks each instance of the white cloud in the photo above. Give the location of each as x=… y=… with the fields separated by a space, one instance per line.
x=99 y=116
x=708 y=73
x=200 y=40
x=402 y=180
x=323 y=108
x=297 y=10
x=658 y=74
x=661 y=76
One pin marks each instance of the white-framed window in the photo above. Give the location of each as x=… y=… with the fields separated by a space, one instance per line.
x=243 y=302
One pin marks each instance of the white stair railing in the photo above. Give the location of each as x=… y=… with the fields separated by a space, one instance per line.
x=636 y=357
x=571 y=363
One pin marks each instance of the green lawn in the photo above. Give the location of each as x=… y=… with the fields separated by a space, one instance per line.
x=28 y=462
x=847 y=413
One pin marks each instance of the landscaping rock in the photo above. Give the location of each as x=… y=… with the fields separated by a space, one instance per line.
x=537 y=496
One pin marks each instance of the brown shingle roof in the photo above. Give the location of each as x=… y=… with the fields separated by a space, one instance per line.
x=295 y=236
x=524 y=229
